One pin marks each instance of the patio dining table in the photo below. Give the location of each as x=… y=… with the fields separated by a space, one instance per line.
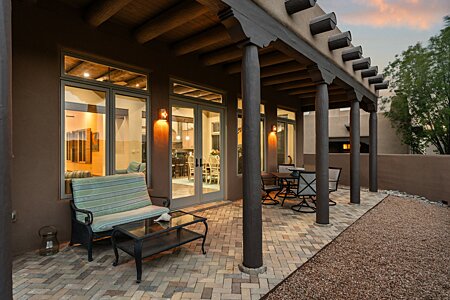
x=287 y=181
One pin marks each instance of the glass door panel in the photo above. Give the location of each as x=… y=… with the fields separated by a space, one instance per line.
x=130 y=128
x=291 y=143
x=211 y=140
x=184 y=161
x=84 y=131
x=281 y=142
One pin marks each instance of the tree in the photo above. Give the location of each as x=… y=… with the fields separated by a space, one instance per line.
x=420 y=94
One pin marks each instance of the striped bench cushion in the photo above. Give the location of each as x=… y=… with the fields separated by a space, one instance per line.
x=110 y=194
x=105 y=223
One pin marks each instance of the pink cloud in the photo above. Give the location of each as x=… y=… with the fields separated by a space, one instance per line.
x=419 y=14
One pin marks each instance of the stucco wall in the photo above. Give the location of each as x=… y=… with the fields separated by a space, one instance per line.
x=37 y=44
x=424 y=175
x=388 y=141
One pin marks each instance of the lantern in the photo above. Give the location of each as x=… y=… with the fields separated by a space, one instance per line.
x=49 y=244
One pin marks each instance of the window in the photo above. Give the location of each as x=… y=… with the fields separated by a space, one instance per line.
x=104 y=127
x=92 y=71
x=191 y=91
x=286 y=139
x=85 y=131
x=239 y=131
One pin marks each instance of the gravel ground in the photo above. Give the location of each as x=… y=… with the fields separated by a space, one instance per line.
x=398 y=250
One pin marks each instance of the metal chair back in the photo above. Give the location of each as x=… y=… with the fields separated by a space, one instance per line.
x=333 y=178
x=284 y=168
x=306 y=184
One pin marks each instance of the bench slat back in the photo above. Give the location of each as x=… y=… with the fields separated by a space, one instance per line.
x=110 y=194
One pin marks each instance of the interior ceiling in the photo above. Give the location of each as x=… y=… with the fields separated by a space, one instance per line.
x=205 y=36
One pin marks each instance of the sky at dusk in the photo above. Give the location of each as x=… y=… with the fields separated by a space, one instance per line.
x=387 y=27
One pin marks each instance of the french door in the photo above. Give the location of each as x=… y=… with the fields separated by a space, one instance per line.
x=197 y=158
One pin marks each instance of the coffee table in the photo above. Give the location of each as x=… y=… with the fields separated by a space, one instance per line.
x=144 y=238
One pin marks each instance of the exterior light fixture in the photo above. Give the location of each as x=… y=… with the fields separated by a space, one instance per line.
x=274 y=128
x=86 y=75
x=163 y=114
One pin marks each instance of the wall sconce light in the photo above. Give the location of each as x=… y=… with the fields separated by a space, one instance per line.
x=163 y=114
x=274 y=128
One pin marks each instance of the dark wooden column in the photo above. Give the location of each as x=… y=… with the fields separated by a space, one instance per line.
x=373 y=152
x=252 y=213
x=322 y=158
x=5 y=150
x=355 y=151
x=322 y=78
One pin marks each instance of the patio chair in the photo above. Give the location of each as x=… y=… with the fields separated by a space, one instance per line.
x=306 y=189
x=269 y=184
x=333 y=180
x=288 y=191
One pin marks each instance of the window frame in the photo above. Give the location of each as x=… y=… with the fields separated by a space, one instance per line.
x=287 y=122
x=110 y=90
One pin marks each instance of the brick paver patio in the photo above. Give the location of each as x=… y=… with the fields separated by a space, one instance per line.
x=290 y=239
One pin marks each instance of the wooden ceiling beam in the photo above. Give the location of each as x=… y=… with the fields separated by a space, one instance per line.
x=310 y=105
x=170 y=19
x=281 y=69
x=201 y=40
x=221 y=55
x=333 y=91
x=295 y=85
x=290 y=77
x=102 y=10
x=138 y=81
x=266 y=60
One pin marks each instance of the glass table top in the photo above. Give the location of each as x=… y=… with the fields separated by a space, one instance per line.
x=148 y=227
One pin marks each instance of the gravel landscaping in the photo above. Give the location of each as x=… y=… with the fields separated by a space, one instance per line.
x=398 y=250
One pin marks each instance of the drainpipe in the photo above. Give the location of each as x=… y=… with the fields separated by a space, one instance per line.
x=5 y=150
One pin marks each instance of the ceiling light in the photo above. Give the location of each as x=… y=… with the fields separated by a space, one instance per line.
x=137 y=84
x=86 y=75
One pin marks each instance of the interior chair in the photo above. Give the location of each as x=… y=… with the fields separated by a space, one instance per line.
x=191 y=167
x=269 y=184
x=206 y=171
x=214 y=169
x=306 y=190
x=333 y=181
x=133 y=167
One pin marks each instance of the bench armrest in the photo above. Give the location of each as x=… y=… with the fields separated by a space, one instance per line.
x=89 y=216
x=165 y=202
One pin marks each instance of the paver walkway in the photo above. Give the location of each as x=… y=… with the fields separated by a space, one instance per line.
x=290 y=239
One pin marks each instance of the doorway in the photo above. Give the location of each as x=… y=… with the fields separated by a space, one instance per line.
x=197 y=158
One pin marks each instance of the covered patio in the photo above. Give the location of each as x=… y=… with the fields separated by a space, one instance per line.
x=202 y=57
x=289 y=240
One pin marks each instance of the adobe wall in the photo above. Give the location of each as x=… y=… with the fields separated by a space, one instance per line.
x=424 y=175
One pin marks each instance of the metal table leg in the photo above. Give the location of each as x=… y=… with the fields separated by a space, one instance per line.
x=138 y=259
x=204 y=237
